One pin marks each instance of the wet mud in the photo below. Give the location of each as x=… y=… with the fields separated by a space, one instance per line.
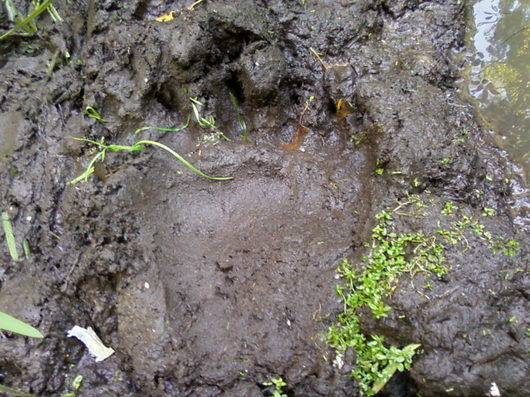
x=333 y=110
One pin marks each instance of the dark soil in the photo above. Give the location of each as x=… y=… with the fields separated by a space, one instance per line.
x=212 y=288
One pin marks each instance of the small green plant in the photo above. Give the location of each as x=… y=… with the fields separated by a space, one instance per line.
x=278 y=384
x=449 y=208
x=139 y=145
x=488 y=212
x=27 y=24
x=93 y=113
x=508 y=247
x=206 y=122
x=75 y=384
x=12 y=324
x=379 y=170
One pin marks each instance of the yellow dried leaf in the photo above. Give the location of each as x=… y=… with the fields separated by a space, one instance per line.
x=343 y=107
x=166 y=17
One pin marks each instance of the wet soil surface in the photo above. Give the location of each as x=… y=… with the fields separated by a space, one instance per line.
x=211 y=288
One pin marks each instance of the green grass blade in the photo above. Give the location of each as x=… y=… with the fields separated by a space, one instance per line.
x=30 y=18
x=27 y=249
x=12 y=12
x=12 y=324
x=101 y=145
x=184 y=161
x=89 y=169
x=10 y=237
x=164 y=128
x=91 y=112
x=54 y=14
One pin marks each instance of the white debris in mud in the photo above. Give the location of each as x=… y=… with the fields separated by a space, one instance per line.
x=494 y=391
x=338 y=362
x=94 y=345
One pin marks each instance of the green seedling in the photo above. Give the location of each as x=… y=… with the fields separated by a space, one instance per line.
x=278 y=384
x=10 y=237
x=14 y=393
x=206 y=122
x=449 y=208
x=28 y=24
x=76 y=383
x=140 y=145
x=12 y=324
x=488 y=212
x=93 y=113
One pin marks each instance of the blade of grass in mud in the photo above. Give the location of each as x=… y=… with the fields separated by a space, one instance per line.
x=183 y=160
x=164 y=128
x=12 y=12
x=10 y=237
x=31 y=17
x=27 y=249
x=12 y=324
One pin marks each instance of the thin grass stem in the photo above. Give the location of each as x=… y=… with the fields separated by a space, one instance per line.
x=10 y=237
x=183 y=160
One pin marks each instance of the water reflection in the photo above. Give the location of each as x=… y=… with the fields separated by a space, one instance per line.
x=499 y=77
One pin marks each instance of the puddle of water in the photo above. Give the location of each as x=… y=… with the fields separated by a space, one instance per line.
x=498 y=79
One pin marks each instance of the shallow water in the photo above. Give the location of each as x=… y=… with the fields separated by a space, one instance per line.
x=499 y=74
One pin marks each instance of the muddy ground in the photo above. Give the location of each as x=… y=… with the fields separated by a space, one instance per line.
x=209 y=288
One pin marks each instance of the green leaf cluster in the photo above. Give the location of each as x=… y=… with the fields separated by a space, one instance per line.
x=278 y=384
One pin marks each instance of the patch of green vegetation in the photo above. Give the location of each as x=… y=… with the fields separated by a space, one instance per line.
x=278 y=384
x=366 y=286
x=508 y=247
x=391 y=255
x=449 y=208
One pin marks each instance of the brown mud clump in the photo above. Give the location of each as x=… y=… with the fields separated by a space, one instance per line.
x=344 y=131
